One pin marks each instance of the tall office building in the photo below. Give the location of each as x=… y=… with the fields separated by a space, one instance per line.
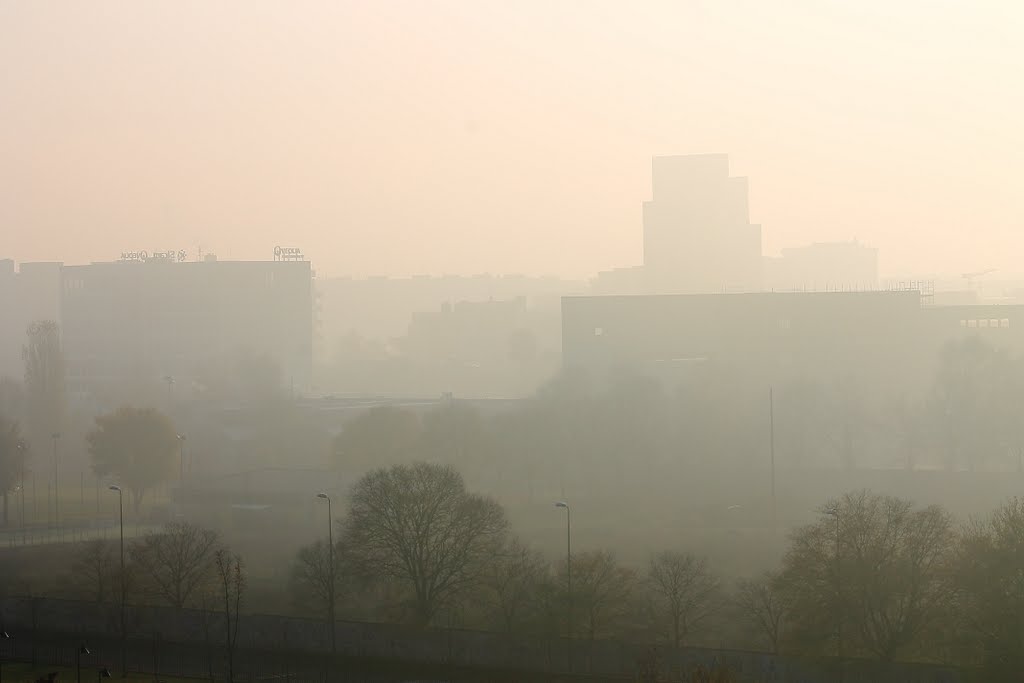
x=697 y=232
x=128 y=321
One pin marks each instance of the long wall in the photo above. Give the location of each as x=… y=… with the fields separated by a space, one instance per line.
x=49 y=619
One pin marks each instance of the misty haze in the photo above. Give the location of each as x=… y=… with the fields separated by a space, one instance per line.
x=394 y=342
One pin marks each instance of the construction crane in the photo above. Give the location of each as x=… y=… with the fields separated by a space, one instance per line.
x=971 y=277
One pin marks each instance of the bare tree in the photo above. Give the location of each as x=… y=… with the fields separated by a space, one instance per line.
x=311 y=576
x=601 y=590
x=231 y=579
x=176 y=561
x=94 y=570
x=512 y=581
x=686 y=592
x=12 y=460
x=990 y=585
x=44 y=380
x=874 y=570
x=418 y=524
x=762 y=600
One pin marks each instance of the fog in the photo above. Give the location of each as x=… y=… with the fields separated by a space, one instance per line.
x=489 y=341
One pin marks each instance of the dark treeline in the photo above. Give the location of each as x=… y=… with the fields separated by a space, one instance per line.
x=873 y=577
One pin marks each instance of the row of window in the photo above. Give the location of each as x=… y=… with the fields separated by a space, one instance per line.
x=986 y=322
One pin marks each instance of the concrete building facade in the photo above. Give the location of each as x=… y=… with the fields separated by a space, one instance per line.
x=127 y=321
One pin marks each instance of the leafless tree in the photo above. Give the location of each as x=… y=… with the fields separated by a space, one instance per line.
x=512 y=581
x=311 y=576
x=176 y=561
x=601 y=590
x=685 y=591
x=874 y=570
x=417 y=524
x=12 y=460
x=763 y=601
x=95 y=568
x=231 y=580
x=44 y=380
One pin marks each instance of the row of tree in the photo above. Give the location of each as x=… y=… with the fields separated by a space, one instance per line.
x=874 y=577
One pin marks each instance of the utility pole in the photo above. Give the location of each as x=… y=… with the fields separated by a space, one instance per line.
x=840 y=650
x=56 y=490
x=771 y=423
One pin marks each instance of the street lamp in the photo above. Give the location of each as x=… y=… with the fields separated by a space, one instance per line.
x=102 y=673
x=120 y=509
x=21 y=458
x=4 y=635
x=83 y=650
x=833 y=511
x=568 y=576
x=330 y=564
x=181 y=471
x=56 y=496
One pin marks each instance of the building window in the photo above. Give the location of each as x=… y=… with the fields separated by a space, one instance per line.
x=963 y=323
x=1005 y=322
x=598 y=331
x=972 y=323
x=983 y=323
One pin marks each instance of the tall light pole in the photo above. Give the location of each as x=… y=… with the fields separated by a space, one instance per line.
x=771 y=423
x=568 y=577
x=170 y=383
x=120 y=509
x=834 y=512
x=181 y=472
x=330 y=564
x=4 y=635
x=56 y=497
x=83 y=650
x=21 y=457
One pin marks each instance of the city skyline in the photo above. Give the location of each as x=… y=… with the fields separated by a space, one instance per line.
x=452 y=138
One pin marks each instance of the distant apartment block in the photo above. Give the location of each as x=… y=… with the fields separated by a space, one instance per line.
x=127 y=321
x=771 y=335
x=823 y=266
x=697 y=231
x=697 y=234
x=27 y=294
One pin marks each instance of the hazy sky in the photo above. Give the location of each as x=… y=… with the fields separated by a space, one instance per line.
x=514 y=136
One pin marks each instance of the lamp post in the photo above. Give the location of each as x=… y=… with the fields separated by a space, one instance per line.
x=21 y=457
x=102 y=673
x=568 y=577
x=56 y=497
x=4 y=635
x=83 y=650
x=170 y=383
x=834 y=512
x=181 y=473
x=330 y=564
x=120 y=509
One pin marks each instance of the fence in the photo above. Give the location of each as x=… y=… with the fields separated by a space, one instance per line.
x=189 y=643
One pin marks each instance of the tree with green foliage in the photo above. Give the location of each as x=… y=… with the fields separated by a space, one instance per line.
x=138 y=447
